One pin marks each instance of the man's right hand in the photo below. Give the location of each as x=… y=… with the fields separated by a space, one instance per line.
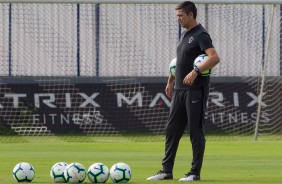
x=169 y=86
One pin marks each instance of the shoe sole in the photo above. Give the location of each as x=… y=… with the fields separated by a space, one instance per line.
x=165 y=178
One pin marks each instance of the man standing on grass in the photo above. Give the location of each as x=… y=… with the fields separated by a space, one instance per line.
x=190 y=93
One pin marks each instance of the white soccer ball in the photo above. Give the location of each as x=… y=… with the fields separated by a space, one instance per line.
x=98 y=173
x=57 y=172
x=200 y=59
x=120 y=173
x=172 y=67
x=23 y=172
x=75 y=173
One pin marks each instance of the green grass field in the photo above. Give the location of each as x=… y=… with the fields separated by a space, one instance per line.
x=226 y=161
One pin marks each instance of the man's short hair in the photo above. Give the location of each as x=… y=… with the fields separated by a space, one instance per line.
x=187 y=7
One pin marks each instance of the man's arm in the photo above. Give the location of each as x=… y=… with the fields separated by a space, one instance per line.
x=169 y=86
x=211 y=61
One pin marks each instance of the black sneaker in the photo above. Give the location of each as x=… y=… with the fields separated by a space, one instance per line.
x=190 y=177
x=161 y=176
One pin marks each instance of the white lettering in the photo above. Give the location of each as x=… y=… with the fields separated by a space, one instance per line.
x=89 y=100
x=75 y=118
x=53 y=118
x=236 y=99
x=137 y=97
x=236 y=118
x=50 y=100
x=255 y=99
x=47 y=102
x=68 y=100
x=244 y=117
x=36 y=118
x=233 y=117
x=15 y=98
x=218 y=98
x=65 y=119
x=157 y=97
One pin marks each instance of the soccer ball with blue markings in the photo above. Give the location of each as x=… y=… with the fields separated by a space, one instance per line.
x=199 y=60
x=57 y=172
x=23 y=172
x=75 y=173
x=98 y=173
x=120 y=173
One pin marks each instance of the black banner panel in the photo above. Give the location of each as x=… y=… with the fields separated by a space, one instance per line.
x=114 y=107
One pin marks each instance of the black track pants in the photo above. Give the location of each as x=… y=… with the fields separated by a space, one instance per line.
x=186 y=107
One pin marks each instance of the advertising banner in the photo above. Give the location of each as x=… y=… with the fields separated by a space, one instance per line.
x=142 y=107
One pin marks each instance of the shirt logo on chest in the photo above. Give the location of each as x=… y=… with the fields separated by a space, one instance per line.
x=191 y=39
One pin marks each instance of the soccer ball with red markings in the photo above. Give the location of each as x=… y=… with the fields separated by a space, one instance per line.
x=57 y=172
x=75 y=173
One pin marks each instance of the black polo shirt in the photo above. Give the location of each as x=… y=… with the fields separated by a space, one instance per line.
x=192 y=44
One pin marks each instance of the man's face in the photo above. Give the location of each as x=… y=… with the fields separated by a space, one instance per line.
x=183 y=18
